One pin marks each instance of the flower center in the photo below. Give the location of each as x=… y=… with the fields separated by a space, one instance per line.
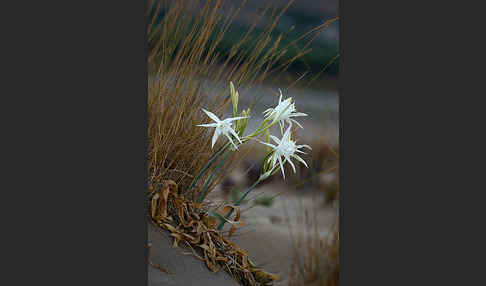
x=284 y=109
x=287 y=148
x=225 y=126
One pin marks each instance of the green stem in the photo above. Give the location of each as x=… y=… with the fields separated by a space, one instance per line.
x=220 y=226
x=206 y=185
x=244 y=196
x=207 y=165
x=258 y=132
x=240 y=200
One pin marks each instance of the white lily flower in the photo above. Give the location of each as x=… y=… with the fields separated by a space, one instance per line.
x=286 y=148
x=222 y=127
x=283 y=112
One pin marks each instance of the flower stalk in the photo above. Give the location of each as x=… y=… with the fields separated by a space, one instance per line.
x=276 y=155
x=208 y=164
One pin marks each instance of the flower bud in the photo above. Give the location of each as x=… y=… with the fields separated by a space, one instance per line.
x=234 y=99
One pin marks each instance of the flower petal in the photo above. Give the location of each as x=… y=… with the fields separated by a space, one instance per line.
x=211 y=115
x=268 y=144
x=217 y=132
x=286 y=136
x=274 y=156
x=295 y=121
x=300 y=159
x=281 y=166
x=227 y=120
x=290 y=162
x=229 y=138
x=275 y=139
x=236 y=135
x=208 y=125
x=298 y=114
x=305 y=146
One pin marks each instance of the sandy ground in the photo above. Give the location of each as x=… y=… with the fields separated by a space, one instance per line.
x=269 y=231
x=187 y=270
x=267 y=236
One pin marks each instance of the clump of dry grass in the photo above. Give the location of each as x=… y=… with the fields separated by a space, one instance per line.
x=316 y=259
x=186 y=75
x=323 y=171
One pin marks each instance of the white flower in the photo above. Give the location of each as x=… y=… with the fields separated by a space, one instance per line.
x=283 y=112
x=222 y=127
x=286 y=148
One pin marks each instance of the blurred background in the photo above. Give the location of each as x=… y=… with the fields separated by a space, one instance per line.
x=301 y=17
